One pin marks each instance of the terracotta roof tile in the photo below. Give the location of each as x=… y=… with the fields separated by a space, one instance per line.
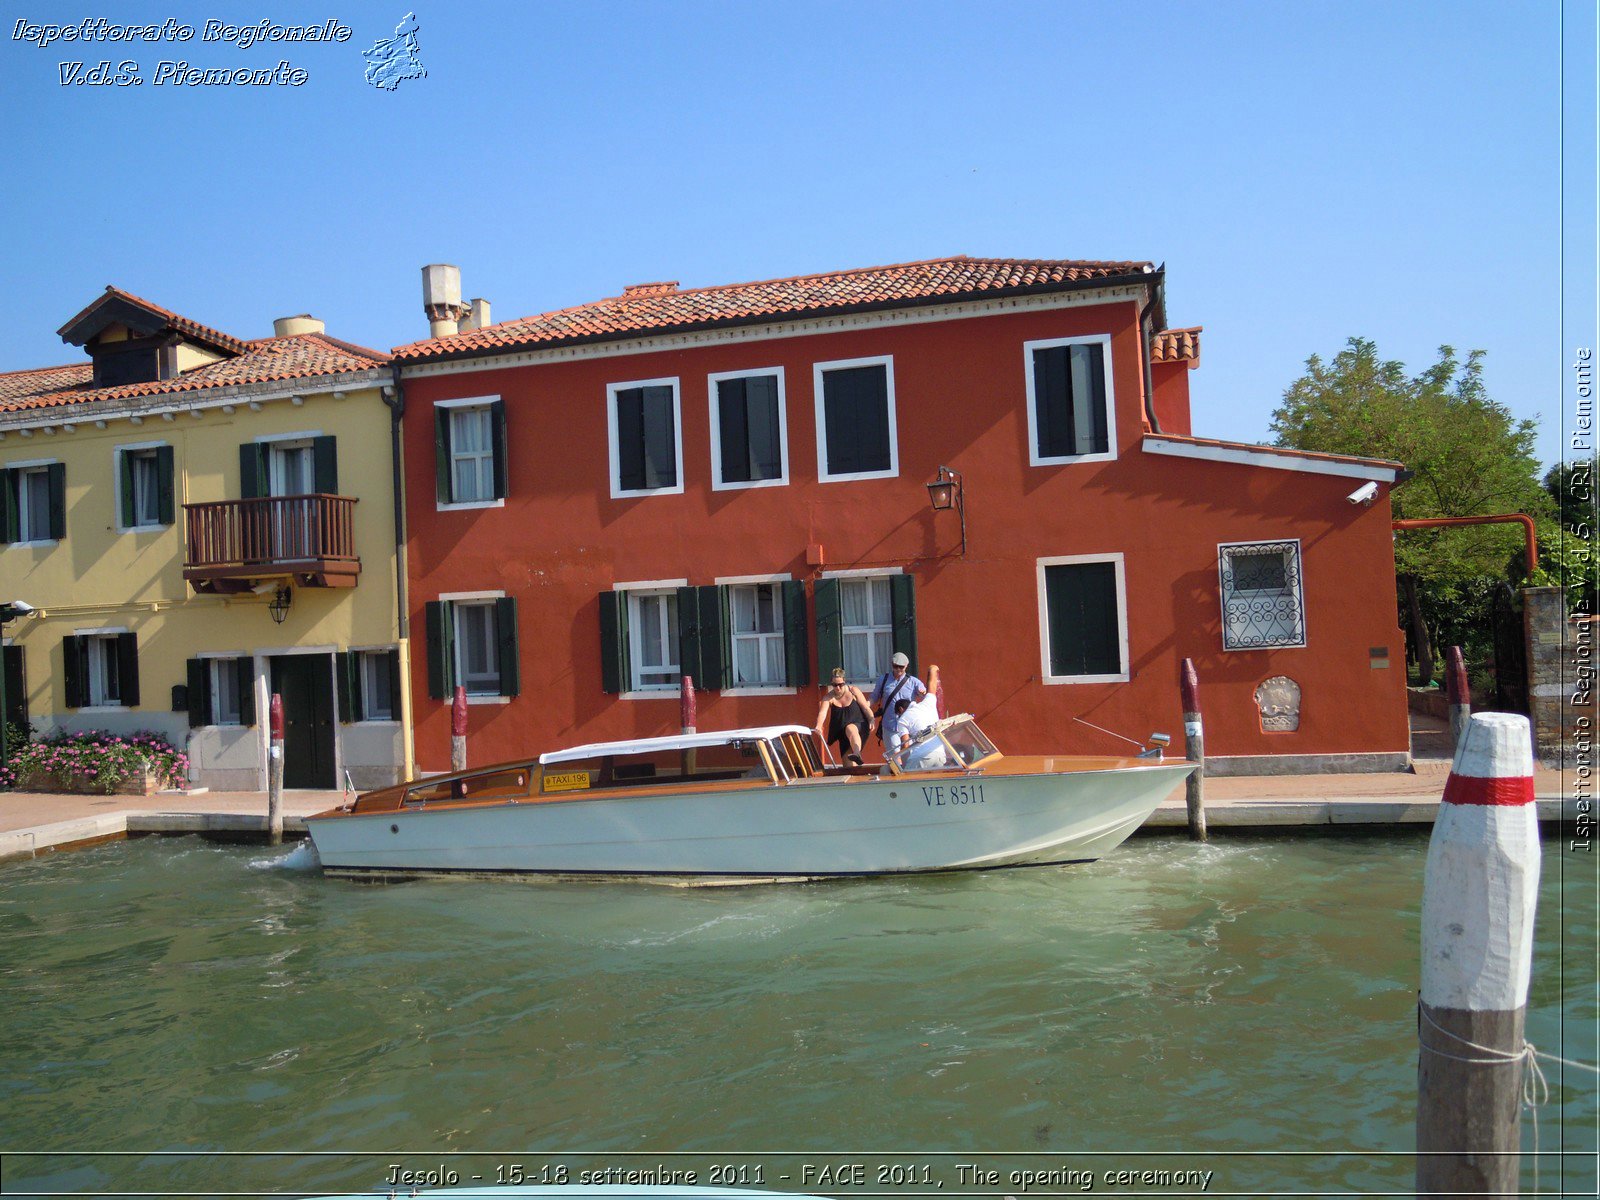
x=265 y=360
x=660 y=308
x=1176 y=345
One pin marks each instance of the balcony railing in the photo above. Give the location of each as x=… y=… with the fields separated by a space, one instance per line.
x=229 y=543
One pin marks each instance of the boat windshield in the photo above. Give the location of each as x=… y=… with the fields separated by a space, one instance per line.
x=952 y=743
x=737 y=759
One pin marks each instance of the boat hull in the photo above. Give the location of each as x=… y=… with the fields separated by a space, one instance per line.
x=810 y=830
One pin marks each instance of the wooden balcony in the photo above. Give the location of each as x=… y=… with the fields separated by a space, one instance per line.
x=232 y=545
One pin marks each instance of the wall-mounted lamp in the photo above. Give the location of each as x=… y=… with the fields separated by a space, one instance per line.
x=278 y=606
x=946 y=492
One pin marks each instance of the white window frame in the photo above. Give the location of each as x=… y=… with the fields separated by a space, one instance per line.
x=135 y=448
x=103 y=636
x=1299 y=592
x=718 y=484
x=368 y=653
x=218 y=692
x=617 y=490
x=766 y=689
x=467 y=598
x=818 y=370
x=29 y=465
x=462 y=505
x=1034 y=458
x=1063 y=560
x=631 y=689
x=866 y=573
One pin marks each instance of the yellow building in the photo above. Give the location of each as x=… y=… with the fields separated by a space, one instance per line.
x=199 y=521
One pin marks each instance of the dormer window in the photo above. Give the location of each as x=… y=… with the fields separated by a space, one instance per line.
x=133 y=341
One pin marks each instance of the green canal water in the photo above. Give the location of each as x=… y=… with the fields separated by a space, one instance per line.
x=1244 y=1008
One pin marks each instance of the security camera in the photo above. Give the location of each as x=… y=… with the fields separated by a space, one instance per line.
x=1364 y=495
x=21 y=607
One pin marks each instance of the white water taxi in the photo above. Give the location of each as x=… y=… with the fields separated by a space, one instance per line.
x=748 y=805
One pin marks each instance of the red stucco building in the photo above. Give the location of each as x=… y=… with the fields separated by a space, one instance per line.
x=732 y=482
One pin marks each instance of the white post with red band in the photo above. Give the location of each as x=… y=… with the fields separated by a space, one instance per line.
x=1479 y=895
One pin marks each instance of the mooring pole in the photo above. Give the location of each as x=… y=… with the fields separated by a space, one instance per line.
x=1459 y=693
x=275 y=770
x=1479 y=891
x=686 y=704
x=1194 y=749
x=458 y=730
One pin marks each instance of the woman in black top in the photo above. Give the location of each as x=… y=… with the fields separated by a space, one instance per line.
x=845 y=718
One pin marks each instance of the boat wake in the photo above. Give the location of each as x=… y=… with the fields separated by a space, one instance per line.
x=303 y=859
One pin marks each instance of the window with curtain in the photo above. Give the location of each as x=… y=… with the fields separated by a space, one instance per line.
x=757 y=634
x=868 y=625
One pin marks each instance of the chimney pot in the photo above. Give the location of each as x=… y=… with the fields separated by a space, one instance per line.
x=441 y=298
x=477 y=315
x=304 y=323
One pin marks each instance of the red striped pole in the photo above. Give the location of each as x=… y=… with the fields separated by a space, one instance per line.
x=1479 y=894
x=686 y=707
x=1194 y=747
x=458 y=729
x=275 y=769
x=1458 y=692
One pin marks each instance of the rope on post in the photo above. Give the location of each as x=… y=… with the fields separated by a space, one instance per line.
x=1480 y=890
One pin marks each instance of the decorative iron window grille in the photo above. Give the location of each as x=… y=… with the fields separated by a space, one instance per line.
x=1263 y=604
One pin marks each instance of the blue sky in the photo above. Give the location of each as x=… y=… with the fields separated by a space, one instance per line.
x=1307 y=171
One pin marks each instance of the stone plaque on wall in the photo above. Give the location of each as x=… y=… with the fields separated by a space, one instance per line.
x=1278 y=699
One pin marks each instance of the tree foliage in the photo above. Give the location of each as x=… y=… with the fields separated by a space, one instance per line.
x=1468 y=456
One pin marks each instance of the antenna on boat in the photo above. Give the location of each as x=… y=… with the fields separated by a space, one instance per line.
x=1151 y=747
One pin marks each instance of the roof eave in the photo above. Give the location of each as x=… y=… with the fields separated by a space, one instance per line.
x=1141 y=278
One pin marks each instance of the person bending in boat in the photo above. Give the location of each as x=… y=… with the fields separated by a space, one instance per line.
x=913 y=719
x=845 y=718
x=897 y=683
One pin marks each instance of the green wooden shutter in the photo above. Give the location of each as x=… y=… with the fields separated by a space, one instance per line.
x=58 y=500
x=631 y=449
x=441 y=657
x=689 y=636
x=9 y=531
x=252 y=470
x=128 y=669
x=614 y=665
x=394 y=685
x=903 y=610
x=245 y=674
x=505 y=628
x=441 y=454
x=715 y=662
x=347 y=683
x=125 y=481
x=497 y=434
x=733 y=431
x=1081 y=615
x=73 y=672
x=796 y=673
x=166 y=488
x=199 y=678
x=13 y=659
x=325 y=465
x=830 y=626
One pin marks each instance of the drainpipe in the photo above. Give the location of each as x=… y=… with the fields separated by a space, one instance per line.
x=1496 y=519
x=395 y=398
x=1144 y=342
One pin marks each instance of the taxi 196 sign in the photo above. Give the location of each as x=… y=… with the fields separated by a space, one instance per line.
x=567 y=781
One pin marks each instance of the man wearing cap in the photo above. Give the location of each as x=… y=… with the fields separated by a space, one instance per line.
x=897 y=683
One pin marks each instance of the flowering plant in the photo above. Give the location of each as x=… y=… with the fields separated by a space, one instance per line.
x=102 y=759
x=17 y=739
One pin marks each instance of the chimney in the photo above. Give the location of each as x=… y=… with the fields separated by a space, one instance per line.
x=477 y=315
x=441 y=298
x=304 y=323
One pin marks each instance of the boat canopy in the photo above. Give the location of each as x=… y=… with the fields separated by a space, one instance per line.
x=676 y=741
